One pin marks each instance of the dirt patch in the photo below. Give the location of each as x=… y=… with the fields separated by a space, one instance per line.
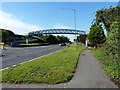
x=116 y=81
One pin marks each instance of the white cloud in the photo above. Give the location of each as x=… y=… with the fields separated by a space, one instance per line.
x=60 y=26
x=11 y=22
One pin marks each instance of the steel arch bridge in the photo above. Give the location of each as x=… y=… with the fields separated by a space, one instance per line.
x=58 y=31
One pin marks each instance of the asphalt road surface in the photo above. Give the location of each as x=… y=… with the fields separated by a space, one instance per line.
x=18 y=55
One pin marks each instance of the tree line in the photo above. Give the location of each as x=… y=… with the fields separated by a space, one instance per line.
x=51 y=39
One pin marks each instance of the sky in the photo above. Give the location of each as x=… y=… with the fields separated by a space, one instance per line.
x=24 y=17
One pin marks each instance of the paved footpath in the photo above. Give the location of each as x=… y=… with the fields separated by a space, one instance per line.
x=89 y=74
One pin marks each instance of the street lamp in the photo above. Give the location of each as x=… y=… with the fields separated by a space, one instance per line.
x=74 y=18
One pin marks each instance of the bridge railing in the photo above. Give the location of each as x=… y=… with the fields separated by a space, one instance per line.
x=58 y=31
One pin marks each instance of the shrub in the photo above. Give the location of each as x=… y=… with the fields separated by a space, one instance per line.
x=113 y=42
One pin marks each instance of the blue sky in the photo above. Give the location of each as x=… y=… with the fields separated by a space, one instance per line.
x=23 y=17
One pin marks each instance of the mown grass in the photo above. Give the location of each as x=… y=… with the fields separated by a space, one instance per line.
x=110 y=65
x=52 y=69
x=34 y=44
x=6 y=45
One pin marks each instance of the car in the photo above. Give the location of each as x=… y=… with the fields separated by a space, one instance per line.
x=62 y=44
x=15 y=45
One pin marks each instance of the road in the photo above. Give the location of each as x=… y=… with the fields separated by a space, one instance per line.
x=18 y=55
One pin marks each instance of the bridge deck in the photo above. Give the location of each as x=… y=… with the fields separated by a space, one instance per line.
x=58 y=31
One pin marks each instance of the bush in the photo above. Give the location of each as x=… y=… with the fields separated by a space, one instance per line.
x=113 y=42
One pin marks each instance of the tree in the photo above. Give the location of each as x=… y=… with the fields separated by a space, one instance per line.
x=50 y=39
x=108 y=16
x=59 y=39
x=96 y=35
x=5 y=35
x=65 y=39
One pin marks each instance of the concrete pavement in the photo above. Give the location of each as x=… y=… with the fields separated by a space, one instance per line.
x=88 y=74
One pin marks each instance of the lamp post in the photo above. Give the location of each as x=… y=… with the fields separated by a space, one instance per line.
x=74 y=19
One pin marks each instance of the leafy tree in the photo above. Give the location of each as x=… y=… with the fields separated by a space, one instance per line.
x=96 y=35
x=5 y=35
x=65 y=39
x=54 y=39
x=108 y=16
x=50 y=39
x=111 y=20
x=59 y=39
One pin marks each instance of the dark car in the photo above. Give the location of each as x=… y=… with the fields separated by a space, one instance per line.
x=62 y=44
x=15 y=45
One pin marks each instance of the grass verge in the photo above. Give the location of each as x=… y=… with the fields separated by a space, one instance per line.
x=109 y=65
x=52 y=69
x=6 y=45
x=34 y=44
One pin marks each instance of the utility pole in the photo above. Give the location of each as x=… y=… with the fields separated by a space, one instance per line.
x=74 y=22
